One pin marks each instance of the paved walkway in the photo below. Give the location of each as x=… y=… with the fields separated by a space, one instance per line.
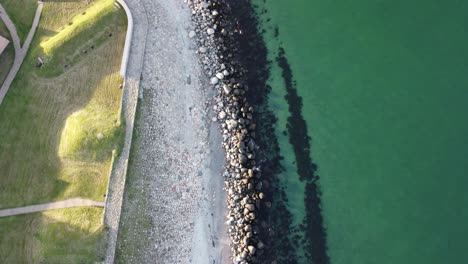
x=74 y=202
x=20 y=52
x=139 y=20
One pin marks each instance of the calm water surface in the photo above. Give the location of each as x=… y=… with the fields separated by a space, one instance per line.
x=385 y=92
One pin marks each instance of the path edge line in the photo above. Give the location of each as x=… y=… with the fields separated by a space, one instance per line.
x=129 y=102
x=128 y=38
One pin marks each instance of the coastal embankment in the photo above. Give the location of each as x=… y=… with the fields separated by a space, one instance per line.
x=203 y=74
x=216 y=32
x=232 y=48
x=173 y=199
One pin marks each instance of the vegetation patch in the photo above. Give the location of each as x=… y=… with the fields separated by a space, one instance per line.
x=21 y=12
x=59 y=128
x=79 y=36
x=61 y=236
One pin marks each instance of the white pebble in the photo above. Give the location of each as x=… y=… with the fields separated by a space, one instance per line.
x=191 y=34
x=214 y=80
x=210 y=31
x=222 y=115
x=220 y=75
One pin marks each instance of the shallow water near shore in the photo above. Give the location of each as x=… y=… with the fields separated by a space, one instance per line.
x=384 y=92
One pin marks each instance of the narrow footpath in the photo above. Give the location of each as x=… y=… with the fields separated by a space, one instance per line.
x=74 y=202
x=20 y=52
x=136 y=38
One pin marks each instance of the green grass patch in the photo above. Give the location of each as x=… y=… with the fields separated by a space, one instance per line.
x=72 y=236
x=36 y=110
x=50 y=148
x=84 y=32
x=60 y=236
x=91 y=133
x=21 y=12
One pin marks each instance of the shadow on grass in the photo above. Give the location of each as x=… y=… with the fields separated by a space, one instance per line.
x=79 y=36
x=61 y=236
x=33 y=117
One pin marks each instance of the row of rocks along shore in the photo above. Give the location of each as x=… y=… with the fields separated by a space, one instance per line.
x=215 y=34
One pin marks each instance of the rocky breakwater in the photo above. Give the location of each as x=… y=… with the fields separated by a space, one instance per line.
x=215 y=36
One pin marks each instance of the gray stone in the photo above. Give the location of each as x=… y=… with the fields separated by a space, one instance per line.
x=252 y=250
x=214 y=80
x=192 y=34
x=220 y=75
x=222 y=115
x=226 y=89
x=261 y=195
x=260 y=245
x=250 y=207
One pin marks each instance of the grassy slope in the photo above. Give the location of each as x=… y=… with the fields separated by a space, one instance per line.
x=49 y=148
x=8 y=55
x=54 y=48
x=61 y=236
x=21 y=12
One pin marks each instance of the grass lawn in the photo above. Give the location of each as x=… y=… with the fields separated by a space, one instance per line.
x=61 y=236
x=21 y=12
x=8 y=55
x=50 y=122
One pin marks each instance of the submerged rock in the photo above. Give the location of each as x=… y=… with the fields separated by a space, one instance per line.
x=252 y=250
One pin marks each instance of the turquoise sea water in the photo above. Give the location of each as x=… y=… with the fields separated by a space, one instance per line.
x=385 y=97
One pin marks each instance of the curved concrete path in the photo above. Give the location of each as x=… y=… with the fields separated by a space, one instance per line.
x=20 y=52
x=132 y=65
x=74 y=202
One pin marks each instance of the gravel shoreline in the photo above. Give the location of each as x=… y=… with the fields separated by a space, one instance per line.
x=216 y=32
x=194 y=106
x=173 y=202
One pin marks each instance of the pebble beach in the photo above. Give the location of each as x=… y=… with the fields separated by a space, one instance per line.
x=193 y=188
